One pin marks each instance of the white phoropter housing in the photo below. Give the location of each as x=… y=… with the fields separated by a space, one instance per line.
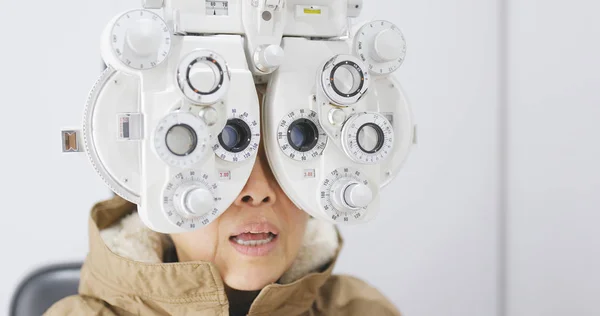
x=262 y=22
x=165 y=123
x=360 y=112
x=173 y=124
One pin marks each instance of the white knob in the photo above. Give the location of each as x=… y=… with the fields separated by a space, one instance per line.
x=358 y=195
x=337 y=116
x=144 y=39
x=350 y=194
x=209 y=115
x=388 y=46
x=194 y=200
x=272 y=56
x=269 y=57
x=199 y=201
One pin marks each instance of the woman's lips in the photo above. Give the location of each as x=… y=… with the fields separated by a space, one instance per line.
x=256 y=227
x=254 y=245
x=255 y=239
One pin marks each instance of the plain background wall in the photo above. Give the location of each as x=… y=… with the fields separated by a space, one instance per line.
x=434 y=248
x=50 y=61
x=553 y=244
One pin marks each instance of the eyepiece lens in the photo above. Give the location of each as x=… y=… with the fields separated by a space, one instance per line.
x=298 y=135
x=303 y=135
x=236 y=136
x=230 y=136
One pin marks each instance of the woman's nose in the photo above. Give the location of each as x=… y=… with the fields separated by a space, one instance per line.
x=258 y=190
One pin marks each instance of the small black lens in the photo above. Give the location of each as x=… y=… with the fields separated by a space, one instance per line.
x=303 y=135
x=236 y=136
x=298 y=135
x=230 y=136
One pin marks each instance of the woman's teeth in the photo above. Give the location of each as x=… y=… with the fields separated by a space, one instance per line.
x=250 y=239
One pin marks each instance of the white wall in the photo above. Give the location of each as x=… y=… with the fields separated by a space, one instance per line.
x=50 y=60
x=553 y=261
x=433 y=248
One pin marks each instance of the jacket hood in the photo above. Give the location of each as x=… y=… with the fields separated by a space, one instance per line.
x=126 y=259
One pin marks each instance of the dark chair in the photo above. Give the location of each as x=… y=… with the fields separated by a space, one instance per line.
x=44 y=287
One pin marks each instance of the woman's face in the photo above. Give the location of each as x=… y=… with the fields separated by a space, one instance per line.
x=255 y=240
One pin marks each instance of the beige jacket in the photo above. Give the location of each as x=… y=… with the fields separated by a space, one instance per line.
x=124 y=274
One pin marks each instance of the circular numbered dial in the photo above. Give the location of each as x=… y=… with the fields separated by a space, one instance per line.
x=344 y=79
x=190 y=199
x=180 y=139
x=203 y=77
x=300 y=136
x=368 y=138
x=239 y=139
x=345 y=195
x=382 y=46
x=140 y=39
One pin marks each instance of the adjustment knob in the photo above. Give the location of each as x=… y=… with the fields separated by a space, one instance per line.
x=347 y=195
x=140 y=39
x=387 y=46
x=210 y=115
x=381 y=45
x=358 y=195
x=351 y=194
x=143 y=38
x=268 y=57
x=193 y=200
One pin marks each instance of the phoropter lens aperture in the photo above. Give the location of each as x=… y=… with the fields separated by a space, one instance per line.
x=303 y=135
x=236 y=136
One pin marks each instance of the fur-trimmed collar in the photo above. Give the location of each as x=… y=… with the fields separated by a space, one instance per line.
x=133 y=240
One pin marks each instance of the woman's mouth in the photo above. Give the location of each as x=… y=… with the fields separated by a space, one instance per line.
x=253 y=239
x=257 y=240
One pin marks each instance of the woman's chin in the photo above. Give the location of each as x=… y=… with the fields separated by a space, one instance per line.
x=249 y=282
x=253 y=268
